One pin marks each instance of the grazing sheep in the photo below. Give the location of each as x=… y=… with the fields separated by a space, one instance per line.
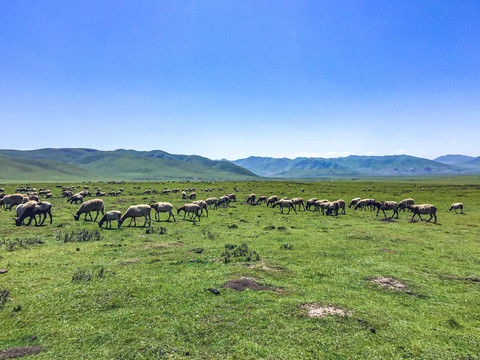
x=223 y=200
x=163 y=207
x=192 y=196
x=232 y=197
x=212 y=201
x=190 y=209
x=320 y=205
x=75 y=198
x=332 y=208
x=272 y=200
x=354 y=202
x=387 y=205
x=310 y=203
x=262 y=199
x=363 y=203
x=32 y=209
x=425 y=209
x=341 y=205
x=298 y=201
x=203 y=205
x=88 y=206
x=67 y=194
x=135 y=211
x=33 y=197
x=405 y=203
x=22 y=207
x=251 y=199
x=184 y=195
x=285 y=204
x=456 y=206
x=8 y=201
x=47 y=196
x=109 y=216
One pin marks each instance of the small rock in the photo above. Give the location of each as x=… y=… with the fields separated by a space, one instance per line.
x=214 y=291
x=3 y=271
x=34 y=337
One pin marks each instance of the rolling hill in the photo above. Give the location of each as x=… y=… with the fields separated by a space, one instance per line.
x=390 y=165
x=89 y=164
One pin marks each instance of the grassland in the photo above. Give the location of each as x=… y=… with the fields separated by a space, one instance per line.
x=138 y=293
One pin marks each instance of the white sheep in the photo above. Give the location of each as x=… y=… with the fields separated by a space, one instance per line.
x=285 y=204
x=190 y=209
x=163 y=207
x=251 y=199
x=456 y=206
x=405 y=203
x=354 y=202
x=212 y=201
x=33 y=208
x=262 y=199
x=272 y=200
x=88 y=206
x=109 y=216
x=310 y=203
x=387 y=205
x=203 y=205
x=134 y=211
x=8 y=201
x=425 y=209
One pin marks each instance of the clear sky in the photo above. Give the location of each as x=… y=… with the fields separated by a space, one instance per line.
x=230 y=79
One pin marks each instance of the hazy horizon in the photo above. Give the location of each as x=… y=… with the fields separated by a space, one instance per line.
x=237 y=79
x=326 y=156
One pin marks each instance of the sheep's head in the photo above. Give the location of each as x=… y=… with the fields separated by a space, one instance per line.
x=76 y=216
x=18 y=221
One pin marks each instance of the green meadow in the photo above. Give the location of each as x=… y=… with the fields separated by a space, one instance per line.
x=82 y=292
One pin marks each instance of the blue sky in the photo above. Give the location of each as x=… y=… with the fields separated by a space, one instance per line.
x=230 y=79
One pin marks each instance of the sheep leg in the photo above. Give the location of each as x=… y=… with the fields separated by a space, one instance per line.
x=145 y=223
x=435 y=217
x=96 y=216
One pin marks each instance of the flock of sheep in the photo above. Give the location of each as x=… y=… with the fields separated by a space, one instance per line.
x=29 y=206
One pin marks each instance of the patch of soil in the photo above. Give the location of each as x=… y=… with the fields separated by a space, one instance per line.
x=389 y=283
x=387 y=219
x=413 y=221
x=388 y=250
x=128 y=261
x=244 y=283
x=14 y=353
x=320 y=311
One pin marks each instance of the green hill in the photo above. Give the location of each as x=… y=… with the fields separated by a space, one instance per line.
x=90 y=164
x=390 y=165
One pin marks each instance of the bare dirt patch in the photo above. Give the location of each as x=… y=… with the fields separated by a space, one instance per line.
x=244 y=283
x=387 y=219
x=388 y=250
x=14 y=353
x=389 y=283
x=320 y=311
x=128 y=261
x=413 y=221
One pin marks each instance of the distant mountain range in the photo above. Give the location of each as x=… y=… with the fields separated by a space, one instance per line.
x=71 y=164
x=390 y=165
x=89 y=164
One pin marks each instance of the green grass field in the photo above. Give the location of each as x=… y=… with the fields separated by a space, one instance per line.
x=141 y=293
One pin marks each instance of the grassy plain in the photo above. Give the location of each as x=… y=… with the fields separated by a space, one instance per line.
x=150 y=300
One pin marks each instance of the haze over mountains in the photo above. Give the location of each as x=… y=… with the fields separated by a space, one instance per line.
x=354 y=165
x=77 y=164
